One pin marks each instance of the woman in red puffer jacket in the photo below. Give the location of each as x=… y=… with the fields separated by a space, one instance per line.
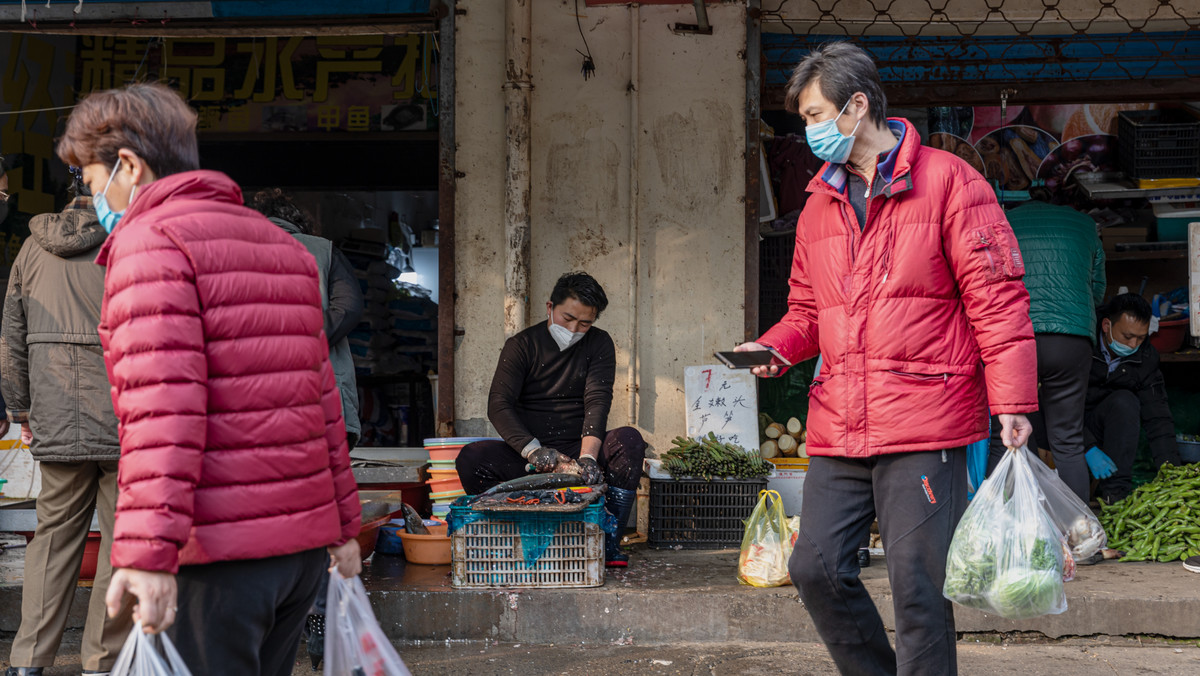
x=234 y=474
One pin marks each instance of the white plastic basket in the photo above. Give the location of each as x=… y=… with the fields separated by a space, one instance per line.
x=489 y=554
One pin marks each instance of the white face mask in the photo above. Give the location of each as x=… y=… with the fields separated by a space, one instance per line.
x=563 y=336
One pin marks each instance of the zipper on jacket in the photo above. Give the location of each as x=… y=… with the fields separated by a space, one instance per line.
x=987 y=249
x=944 y=377
x=887 y=254
x=850 y=231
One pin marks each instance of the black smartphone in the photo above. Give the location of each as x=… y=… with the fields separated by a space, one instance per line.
x=748 y=360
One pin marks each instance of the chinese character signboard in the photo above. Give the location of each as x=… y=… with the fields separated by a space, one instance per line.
x=352 y=83
x=722 y=401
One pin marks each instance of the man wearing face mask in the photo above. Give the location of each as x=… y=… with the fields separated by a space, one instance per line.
x=234 y=481
x=907 y=281
x=1126 y=394
x=549 y=400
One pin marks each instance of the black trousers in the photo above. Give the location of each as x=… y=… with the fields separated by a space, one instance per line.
x=245 y=617
x=1116 y=424
x=1063 y=364
x=918 y=499
x=484 y=464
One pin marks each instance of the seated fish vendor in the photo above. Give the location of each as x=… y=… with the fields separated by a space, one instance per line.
x=1125 y=396
x=549 y=400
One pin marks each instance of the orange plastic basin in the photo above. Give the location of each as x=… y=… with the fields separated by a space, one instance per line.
x=445 y=485
x=432 y=550
x=448 y=453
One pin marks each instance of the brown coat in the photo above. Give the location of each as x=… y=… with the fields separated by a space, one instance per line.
x=50 y=355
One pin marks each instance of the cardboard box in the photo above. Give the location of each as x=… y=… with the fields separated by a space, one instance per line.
x=1111 y=237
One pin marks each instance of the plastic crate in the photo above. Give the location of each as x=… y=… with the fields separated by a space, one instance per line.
x=489 y=553
x=698 y=514
x=1159 y=143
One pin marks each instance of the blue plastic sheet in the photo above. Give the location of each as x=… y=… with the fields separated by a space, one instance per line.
x=536 y=527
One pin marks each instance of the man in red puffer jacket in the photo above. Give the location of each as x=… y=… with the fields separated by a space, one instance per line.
x=234 y=475
x=907 y=280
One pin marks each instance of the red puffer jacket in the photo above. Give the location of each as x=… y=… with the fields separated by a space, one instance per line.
x=232 y=441
x=908 y=312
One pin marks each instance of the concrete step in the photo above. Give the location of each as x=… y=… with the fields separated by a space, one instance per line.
x=669 y=596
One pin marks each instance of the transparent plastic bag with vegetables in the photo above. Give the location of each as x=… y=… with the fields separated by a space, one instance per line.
x=1085 y=536
x=767 y=543
x=1007 y=557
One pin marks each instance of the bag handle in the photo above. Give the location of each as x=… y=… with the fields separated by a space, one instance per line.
x=771 y=493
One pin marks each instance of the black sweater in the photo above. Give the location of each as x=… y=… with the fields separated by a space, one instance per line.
x=555 y=397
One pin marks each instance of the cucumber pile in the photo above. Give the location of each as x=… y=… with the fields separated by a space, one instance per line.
x=1160 y=520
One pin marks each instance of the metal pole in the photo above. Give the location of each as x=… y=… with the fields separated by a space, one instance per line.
x=701 y=16
x=518 y=19
x=635 y=19
x=753 y=177
x=447 y=179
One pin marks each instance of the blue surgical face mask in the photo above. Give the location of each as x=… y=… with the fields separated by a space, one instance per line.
x=1118 y=348
x=109 y=218
x=827 y=142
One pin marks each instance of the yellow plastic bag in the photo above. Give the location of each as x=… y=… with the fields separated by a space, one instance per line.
x=767 y=543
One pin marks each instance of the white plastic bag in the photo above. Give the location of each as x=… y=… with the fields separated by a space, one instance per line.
x=149 y=655
x=1007 y=557
x=354 y=643
x=1082 y=530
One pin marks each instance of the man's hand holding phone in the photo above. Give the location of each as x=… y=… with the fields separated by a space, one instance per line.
x=761 y=371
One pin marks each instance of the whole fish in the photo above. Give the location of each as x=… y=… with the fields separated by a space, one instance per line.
x=533 y=482
x=413 y=522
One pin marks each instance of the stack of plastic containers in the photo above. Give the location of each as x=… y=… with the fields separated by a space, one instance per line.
x=444 y=485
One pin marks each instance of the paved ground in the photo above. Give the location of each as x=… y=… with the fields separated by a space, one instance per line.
x=984 y=655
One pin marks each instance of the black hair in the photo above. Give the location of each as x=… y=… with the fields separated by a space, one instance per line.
x=1041 y=194
x=275 y=203
x=77 y=188
x=582 y=287
x=841 y=69
x=1127 y=304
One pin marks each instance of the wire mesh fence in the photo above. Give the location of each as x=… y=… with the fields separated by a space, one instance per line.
x=925 y=44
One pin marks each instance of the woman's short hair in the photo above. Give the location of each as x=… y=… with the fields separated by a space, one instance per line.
x=148 y=118
x=841 y=69
x=275 y=203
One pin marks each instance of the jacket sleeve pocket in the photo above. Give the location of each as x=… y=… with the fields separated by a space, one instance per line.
x=996 y=248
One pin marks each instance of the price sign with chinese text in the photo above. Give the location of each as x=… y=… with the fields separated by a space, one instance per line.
x=723 y=401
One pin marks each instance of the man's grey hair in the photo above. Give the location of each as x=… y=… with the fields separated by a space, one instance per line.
x=841 y=69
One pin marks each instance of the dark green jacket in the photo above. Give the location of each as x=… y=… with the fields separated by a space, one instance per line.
x=1064 y=267
x=50 y=354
